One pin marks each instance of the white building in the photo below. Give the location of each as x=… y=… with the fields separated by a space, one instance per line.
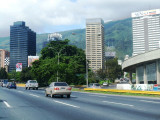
x=95 y=43
x=146 y=31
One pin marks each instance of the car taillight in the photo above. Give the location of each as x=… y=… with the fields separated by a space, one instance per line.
x=69 y=88
x=56 y=88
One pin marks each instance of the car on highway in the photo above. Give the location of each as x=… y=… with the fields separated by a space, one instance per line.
x=94 y=85
x=31 y=84
x=12 y=85
x=58 y=88
x=1 y=84
x=7 y=84
x=4 y=82
x=105 y=84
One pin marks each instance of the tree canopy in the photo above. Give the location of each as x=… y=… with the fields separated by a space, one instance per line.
x=3 y=73
x=71 y=67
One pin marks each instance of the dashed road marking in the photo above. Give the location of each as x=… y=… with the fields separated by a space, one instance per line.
x=66 y=104
x=150 y=101
x=7 y=104
x=20 y=91
x=119 y=103
x=34 y=95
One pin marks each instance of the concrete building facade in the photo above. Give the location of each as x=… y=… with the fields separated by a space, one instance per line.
x=3 y=54
x=146 y=31
x=146 y=66
x=95 y=43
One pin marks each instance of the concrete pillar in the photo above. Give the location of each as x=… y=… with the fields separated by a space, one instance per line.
x=158 y=71
x=130 y=77
x=145 y=75
x=137 y=81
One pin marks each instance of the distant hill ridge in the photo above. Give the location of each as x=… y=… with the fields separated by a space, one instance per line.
x=118 y=37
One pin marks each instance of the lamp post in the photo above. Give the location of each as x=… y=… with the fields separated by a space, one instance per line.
x=86 y=73
x=57 y=59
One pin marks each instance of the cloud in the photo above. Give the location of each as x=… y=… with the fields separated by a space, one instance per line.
x=58 y=15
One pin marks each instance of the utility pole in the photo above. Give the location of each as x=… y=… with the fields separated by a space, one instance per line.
x=86 y=73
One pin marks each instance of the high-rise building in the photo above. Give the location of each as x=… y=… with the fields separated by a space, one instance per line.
x=95 y=43
x=3 y=55
x=146 y=31
x=22 y=44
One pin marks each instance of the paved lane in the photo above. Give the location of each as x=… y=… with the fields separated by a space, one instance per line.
x=21 y=104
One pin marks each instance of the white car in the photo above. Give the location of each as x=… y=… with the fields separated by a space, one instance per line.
x=58 y=88
x=31 y=84
x=105 y=84
x=94 y=85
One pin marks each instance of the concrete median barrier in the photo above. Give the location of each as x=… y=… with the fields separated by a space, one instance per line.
x=21 y=85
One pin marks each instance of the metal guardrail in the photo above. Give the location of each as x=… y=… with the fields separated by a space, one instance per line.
x=124 y=91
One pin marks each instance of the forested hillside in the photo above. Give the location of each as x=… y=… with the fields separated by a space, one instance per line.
x=118 y=37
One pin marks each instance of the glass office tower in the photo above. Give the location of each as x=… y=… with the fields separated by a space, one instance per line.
x=22 y=44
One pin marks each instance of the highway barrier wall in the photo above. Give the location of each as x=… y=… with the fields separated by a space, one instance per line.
x=20 y=85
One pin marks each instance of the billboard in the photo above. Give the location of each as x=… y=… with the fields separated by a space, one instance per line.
x=18 y=67
x=31 y=59
x=146 y=13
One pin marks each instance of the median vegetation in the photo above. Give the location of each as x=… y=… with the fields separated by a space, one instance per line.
x=117 y=93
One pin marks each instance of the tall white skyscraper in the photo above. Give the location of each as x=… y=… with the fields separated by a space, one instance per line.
x=146 y=31
x=95 y=43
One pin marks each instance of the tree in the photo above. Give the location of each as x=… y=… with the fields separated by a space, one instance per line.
x=3 y=73
x=101 y=74
x=71 y=67
x=113 y=70
x=26 y=75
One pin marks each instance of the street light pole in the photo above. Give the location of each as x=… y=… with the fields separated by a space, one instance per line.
x=58 y=62
x=58 y=66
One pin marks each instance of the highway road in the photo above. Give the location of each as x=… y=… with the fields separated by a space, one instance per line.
x=21 y=104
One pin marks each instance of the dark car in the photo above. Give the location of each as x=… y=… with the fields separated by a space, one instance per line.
x=12 y=85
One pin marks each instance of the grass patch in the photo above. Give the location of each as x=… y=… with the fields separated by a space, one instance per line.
x=115 y=93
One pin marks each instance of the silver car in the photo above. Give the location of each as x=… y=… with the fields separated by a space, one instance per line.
x=58 y=88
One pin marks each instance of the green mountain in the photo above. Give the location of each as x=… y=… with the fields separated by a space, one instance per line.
x=118 y=37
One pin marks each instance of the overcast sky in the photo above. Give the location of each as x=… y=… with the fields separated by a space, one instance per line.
x=49 y=16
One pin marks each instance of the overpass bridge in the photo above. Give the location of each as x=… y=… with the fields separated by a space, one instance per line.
x=146 y=66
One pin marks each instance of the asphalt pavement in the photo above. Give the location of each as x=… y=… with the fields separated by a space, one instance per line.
x=21 y=104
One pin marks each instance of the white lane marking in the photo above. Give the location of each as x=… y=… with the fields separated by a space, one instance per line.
x=118 y=103
x=150 y=101
x=97 y=95
x=34 y=95
x=7 y=104
x=66 y=104
x=20 y=91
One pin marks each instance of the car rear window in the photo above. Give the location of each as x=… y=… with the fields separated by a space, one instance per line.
x=97 y=84
x=33 y=81
x=60 y=84
x=13 y=83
